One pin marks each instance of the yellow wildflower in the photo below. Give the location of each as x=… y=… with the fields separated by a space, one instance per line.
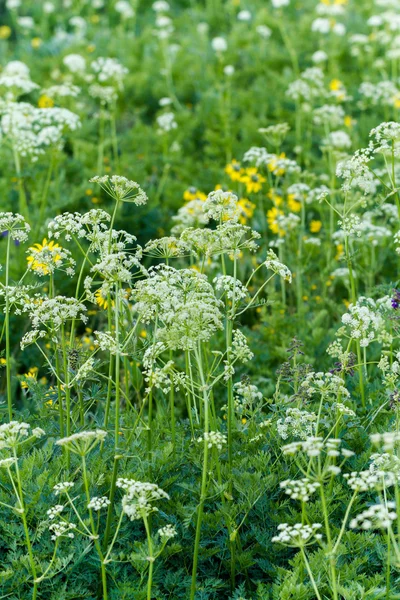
x=234 y=170
x=35 y=261
x=252 y=180
x=315 y=226
x=45 y=102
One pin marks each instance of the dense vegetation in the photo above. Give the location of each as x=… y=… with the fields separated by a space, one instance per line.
x=199 y=338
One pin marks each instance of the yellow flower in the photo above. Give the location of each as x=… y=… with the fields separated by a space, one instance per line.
x=339 y=252
x=234 y=170
x=94 y=19
x=315 y=226
x=348 y=121
x=293 y=204
x=3 y=362
x=143 y=333
x=89 y=192
x=246 y=209
x=102 y=300
x=30 y=375
x=5 y=32
x=36 y=42
x=34 y=261
x=252 y=180
x=193 y=193
x=335 y=85
x=45 y=102
x=273 y=164
x=275 y=197
x=272 y=219
x=91 y=48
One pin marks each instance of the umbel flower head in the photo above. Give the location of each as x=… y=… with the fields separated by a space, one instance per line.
x=83 y=442
x=121 y=189
x=182 y=301
x=15 y=226
x=137 y=503
x=46 y=257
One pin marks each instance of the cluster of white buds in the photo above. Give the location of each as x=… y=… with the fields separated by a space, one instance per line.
x=81 y=443
x=15 y=226
x=137 y=502
x=325 y=384
x=121 y=188
x=62 y=487
x=377 y=516
x=54 y=511
x=297 y=423
x=168 y=532
x=213 y=439
x=274 y=264
x=62 y=529
x=97 y=503
x=299 y=489
x=298 y=535
x=389 y=440
x=370 y=480
x=13 y=433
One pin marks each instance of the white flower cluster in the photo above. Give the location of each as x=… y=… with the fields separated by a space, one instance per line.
x=297 y=423
x=298 y=535
x=308 y=87
x=97 y=503
x=213 y=439
x=54 y=312
x=364 y=320
x=325 y=384
x=62 y=529
x=82 y=442
x=15 y=226
x=182 y=301
x=166 y=123
x=13 y=433
x=367 y=480
x=232 y=288
x=167 y=533
x=274 y=264
x=299 y=489
x=54 y=511
x=389 y=440
x=121 y=188
x=62 y=487
x=314 y=446
x=31 y=131
x=139 y=497
x=376 y=516
x=15 y=79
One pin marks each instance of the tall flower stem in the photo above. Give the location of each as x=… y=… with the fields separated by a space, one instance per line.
x=7 y=320
x=25 y=525
x=94 y=531
x=203 y=490
x=67 y=389
x=151 y=558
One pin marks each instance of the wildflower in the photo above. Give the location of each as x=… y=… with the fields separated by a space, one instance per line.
x=298 y=535
x=299 y=489
x=138 y=500
x=44 y=258
x=274 y=264
x=63 y=487
x=297 y=423
x=166 y=123
x=315 y=226
x=234 y=170
x=15 y=226
x=13 y=433
x=167 y=533
x=121 y=188
x=98 y=503
x=377 y=516
x=193 y=193
x=219 y=44
x=62 y=529
x=213 y=439
x=252 y=180
x=81 y=443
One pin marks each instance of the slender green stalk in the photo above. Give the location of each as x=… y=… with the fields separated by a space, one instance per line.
x=150 y=557
x=7 y=323
x=203 y=490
